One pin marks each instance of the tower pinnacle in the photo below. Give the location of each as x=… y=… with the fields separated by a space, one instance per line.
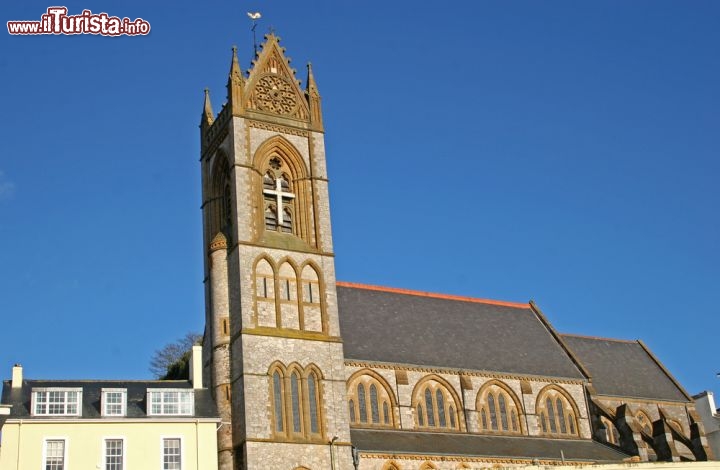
x=313 y=98
x=235 y=85
x=207 y=117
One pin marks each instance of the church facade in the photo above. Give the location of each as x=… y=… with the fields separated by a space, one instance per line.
x=308 y=372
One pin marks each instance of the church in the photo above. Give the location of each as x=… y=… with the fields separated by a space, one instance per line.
x=308 y=372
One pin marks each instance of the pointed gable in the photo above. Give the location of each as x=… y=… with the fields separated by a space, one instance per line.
x=272 y=87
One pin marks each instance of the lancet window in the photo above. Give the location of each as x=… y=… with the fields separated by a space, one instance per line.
x=219 y=202
x=265 y=304
x=311 y=301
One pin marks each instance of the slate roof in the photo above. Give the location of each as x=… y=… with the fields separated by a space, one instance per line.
x=475 y=445
x=20 y=399
x=624 y=369
x=400 y=327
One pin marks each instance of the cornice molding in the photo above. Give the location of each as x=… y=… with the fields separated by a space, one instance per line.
x=458 y=458
x=277 y=128
x=290 y=334
x=449 y=371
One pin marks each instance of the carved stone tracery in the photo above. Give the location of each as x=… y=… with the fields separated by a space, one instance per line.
x=276 y=95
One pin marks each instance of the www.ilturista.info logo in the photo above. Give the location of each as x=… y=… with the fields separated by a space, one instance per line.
x=57 y=21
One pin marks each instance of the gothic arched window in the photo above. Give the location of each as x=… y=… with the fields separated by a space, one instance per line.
x=370 y=401
x=311 y=299
x=313 y=403
x=219 y=198
x=557 y=413
x=435 y=406
x=288 y=296
x=278 y=393
x=279 y=197
x=265 y=308
x=296 y=399
x=499 y=409
x=612 y=435
x=295 y=402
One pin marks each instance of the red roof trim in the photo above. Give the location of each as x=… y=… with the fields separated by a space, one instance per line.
x=395 y=290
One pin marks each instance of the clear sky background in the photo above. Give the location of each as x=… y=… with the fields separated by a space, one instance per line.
x=564 y=151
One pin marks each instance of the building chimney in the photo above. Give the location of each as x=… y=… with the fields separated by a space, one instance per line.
x=17 y=376
x=196 y=366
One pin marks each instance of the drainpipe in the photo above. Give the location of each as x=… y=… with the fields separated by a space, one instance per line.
x=18 y=445
x=462 y=403
x=197 y=444
x=332 y=453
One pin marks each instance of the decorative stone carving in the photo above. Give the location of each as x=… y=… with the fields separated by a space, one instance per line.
x=276 y=95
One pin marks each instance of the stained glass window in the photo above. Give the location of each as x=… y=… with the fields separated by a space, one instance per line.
x=295 y=400
x=312 y=399
x=278 y=402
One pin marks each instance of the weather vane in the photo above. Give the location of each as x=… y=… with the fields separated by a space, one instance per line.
x=254 y=17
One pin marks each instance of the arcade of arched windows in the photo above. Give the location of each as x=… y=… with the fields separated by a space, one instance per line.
x=436 y=406
x=296 y=402
x=288 y=296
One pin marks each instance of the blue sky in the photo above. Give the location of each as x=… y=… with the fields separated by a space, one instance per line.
x=563 y=151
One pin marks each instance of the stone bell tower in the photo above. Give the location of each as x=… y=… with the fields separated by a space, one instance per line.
x=274 y=353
